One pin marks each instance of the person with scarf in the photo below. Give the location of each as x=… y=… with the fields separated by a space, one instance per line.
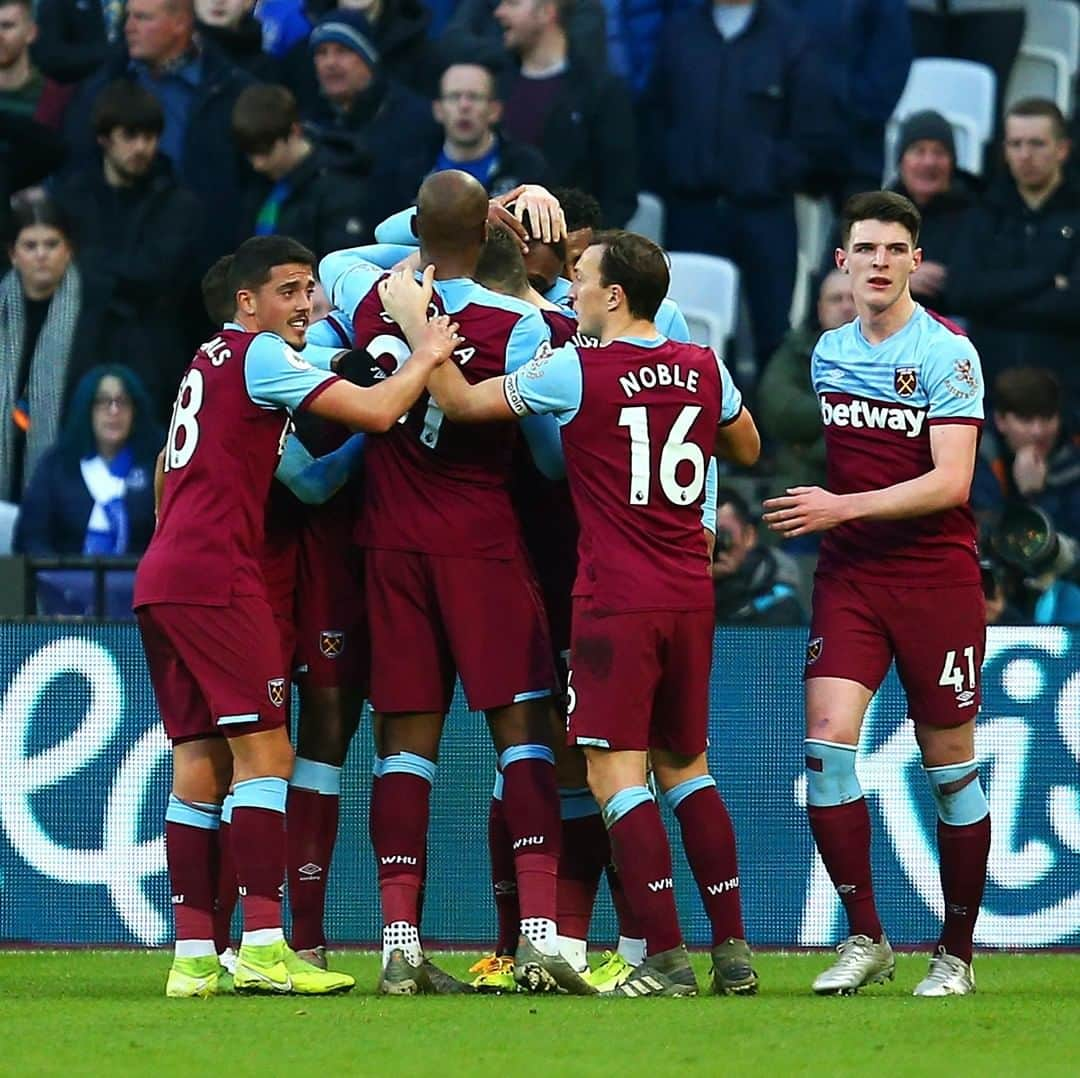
x=41 y=300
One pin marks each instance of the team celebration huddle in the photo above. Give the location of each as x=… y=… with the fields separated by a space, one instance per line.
x=495 y=460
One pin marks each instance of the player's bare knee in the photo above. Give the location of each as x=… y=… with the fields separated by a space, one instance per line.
x=202 y=770
x=266 y=754
x=672 y=769
x=525 y=722
x=418 y=733
x=942 y=746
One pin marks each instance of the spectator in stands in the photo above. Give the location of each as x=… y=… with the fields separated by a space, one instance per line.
x=468 y=109
x=93 y=491
x=398 y=29
x=24 y=90
x=753 y=585
x=231 y=26
x=984 y=31
x=569 y=107
x=473 y=32
x=944 y=194
x=306 y=188
x=788 y=409
x=868 y=44
x=380 y=115
x=197 y=87
x=1016 y=273
x=285 y=24
x=1029 y=454
x=139 y=231
x=75 y=36
x=29 y=152
x=46 y=335
x=740 y=114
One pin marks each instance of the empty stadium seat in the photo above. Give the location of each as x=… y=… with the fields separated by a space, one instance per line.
x=1049 y=54
x=815 y=221
x=706 y=288
x=648 y=219
x=963 y=92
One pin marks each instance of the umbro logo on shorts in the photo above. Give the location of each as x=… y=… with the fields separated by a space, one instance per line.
x=276 y=688
x=813 y=650
x=331 y=642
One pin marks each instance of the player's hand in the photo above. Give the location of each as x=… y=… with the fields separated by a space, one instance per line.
x=545 y=213
x=1029 y=470
x=804 y=510
x=406 y=300
x=929 y=279
x=437 y=340
x=500 y=217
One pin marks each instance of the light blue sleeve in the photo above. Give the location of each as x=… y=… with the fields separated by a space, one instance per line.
x=334 y=329
x=731 y=399
x=954 y=381
x=529 y=336
x=319 y=356
x=559 y=293
x=276 y=376
x=315 y=480
x=671 y=323
x=398 y=229
x=550 y=383
x=712 y=484
x=348 y=277
x=387 y=255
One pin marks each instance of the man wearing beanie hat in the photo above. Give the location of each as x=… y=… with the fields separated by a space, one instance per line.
x=358 y=101
x=927 y=174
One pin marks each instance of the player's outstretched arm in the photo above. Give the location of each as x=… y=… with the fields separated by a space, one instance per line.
x=803 y=510
x=462 y=402
x=739 y=441
x=377 y=408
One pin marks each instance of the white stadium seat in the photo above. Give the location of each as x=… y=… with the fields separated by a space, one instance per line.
x=648 y=219
x=1049 y=54
x=706 y=288
x=963 y=92
x=9 y=514
x=815 y=222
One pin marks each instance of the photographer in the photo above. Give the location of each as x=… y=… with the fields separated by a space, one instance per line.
x=753 y=585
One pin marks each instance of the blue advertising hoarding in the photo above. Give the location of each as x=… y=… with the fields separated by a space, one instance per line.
x=84 y=776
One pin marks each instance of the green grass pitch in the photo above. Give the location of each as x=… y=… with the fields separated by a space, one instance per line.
x=104 y=1012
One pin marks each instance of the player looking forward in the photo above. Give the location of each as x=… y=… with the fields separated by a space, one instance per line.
x=211 y=645
x=898 y=577
x=639 y=416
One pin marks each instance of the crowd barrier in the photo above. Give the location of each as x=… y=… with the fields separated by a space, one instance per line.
x=84 y=776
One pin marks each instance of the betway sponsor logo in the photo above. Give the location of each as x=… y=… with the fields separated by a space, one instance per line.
x=724 y=885
x=528 y=840
x=398 y=859
x=665 y=884
x=866 y=415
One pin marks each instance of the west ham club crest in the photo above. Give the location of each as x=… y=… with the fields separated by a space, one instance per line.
x=331 y=642
x=905 y=381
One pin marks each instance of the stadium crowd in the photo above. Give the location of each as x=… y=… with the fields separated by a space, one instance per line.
x=142 y=143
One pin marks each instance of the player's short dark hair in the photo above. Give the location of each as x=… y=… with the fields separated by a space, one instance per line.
x=1040 y=106
x=219 y=302
x=254 y=260
x=638 y=266
x=881 y=206
x=501 y=266
x=263 y=114
x=579 y=208
x=739 y=505
x=127 y=105
x=1028 y=392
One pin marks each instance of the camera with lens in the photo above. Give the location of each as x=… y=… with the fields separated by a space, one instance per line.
x=1026 y=540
